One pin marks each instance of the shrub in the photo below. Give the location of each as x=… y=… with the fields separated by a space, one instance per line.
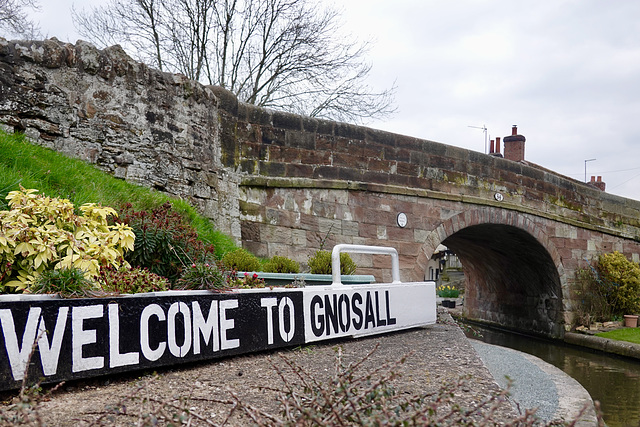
x=67 y=282
x=320 y=263
x=165 y=242
x=131 y=281
x=202 y=276
x=621 y=278
x=40 y=233
x=280 y=264
x=240 y=260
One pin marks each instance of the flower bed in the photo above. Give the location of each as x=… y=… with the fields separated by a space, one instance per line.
x=284 y=279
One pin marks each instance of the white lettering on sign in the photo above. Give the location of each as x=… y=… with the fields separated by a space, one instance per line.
x=207 y=329
x=182 y=329
x=115 y=357
x=335 y=314
x=227 y=324
x=343 y=311
x=81 y=337
x=50 y=354
x=152 y=310
x=286 y=330
x=18 y=355
x=269 y=303
x=174 y=348
x=286 y=326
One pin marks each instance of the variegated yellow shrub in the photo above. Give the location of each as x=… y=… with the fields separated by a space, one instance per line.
x=39 y=233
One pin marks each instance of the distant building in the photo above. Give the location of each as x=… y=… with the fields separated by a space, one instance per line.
x=442 y=260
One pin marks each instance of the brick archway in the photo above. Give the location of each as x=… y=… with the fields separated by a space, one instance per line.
x=514 y=274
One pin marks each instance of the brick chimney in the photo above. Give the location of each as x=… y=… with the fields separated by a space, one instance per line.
x=597 y=183
x=514 y=145
x=495 y=148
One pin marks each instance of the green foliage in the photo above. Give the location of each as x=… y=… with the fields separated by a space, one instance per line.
x=32 y=166
x=622 y=278
x=165 y=241
x=131 y=281
x=67 y=282
x=40 y=233
x=202 y=276
x=280 y=264
x=320 y=263
x=240 y=260
x=447 y=291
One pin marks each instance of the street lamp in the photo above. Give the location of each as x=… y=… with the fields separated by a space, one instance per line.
x=585 y=168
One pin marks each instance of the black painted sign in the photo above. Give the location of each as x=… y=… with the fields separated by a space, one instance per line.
x=79 y=338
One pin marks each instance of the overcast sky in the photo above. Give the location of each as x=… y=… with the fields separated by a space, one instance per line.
x=567 y=72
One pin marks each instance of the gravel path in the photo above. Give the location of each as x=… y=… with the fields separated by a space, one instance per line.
x=537 y=384
x=531 y=387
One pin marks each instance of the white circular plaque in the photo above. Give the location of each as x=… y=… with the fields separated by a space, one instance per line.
x=402 y=219
x=499 y=197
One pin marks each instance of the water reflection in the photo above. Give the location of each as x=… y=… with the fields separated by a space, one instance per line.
x=614 y=381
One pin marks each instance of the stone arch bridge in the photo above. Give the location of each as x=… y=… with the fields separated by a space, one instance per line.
x=283 y=184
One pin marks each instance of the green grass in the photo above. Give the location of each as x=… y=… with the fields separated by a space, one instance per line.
x=31 y=166
x=624 y=334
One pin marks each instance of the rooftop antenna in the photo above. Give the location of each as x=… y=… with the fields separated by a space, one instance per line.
x=484 y=129
x=585 y=168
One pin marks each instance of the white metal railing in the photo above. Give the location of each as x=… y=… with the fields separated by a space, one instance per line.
x=363 y=249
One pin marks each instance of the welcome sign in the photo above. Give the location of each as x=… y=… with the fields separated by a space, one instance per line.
x=60 y=339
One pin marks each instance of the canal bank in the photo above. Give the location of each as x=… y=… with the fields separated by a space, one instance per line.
x=583 y=339
x=608 y=369
x=612 y=380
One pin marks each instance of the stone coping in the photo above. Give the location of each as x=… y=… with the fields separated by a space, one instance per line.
x=607 y=345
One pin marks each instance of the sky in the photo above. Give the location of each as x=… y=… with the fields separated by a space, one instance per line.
x=566 y=72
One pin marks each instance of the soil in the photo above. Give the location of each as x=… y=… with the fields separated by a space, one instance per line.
x=436 y=354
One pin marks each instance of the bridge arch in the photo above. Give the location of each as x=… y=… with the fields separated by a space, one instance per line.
x=513 y=272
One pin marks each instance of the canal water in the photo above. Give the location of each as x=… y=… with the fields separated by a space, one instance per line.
x=614 y=381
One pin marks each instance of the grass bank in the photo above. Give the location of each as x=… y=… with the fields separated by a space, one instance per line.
x=625 y=334
x=30 y=166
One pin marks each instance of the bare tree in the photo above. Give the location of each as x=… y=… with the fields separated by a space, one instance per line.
x=138 y=25
x=282 y=54
x=14 y=19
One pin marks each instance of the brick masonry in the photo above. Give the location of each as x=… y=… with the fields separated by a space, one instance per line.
x=284 y=184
